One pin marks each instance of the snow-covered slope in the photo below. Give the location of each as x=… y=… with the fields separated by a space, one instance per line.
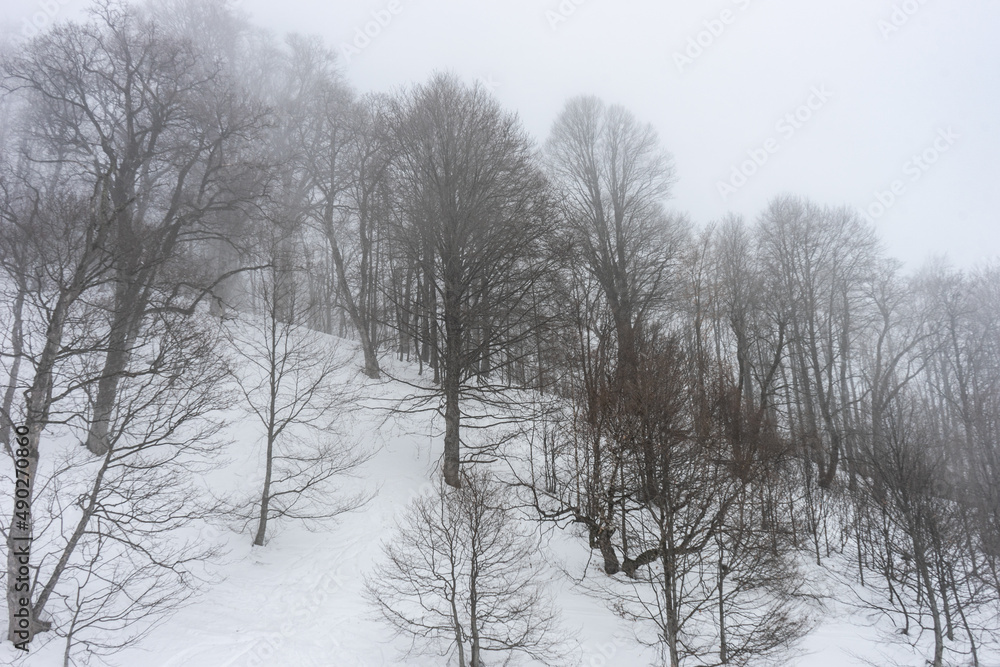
x=297 y=601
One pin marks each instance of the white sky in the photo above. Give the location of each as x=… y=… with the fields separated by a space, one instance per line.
x=891 y=93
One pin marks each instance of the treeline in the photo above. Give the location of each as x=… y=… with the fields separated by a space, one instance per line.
x=712 y=403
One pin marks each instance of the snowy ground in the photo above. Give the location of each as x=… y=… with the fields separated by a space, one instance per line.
x=297 y=601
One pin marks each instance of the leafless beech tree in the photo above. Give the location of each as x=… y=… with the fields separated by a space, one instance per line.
x=346 y=159
x=102 y=608
x=924 y=557
x=613 y=179
x=705 y=552
x=107 y=112
x=113 y=523
x=290 y=378
x=918 y=552
x=329 y=155
x=964 y=378
x=53 y=257
x=306 y=150
x=366 y=211
x=460 y=578
x=473 y=226
x=702 y=547
x=821 y=258
x=123 y=566
x=152 y=123
x=754 y=316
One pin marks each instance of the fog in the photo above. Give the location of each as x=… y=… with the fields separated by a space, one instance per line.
x=717 y=79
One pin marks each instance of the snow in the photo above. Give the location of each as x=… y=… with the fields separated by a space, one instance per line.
x=297 y=601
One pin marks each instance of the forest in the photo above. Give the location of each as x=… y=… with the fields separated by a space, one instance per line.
x=205 y=227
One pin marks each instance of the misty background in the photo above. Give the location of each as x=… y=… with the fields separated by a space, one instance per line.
x=898 y=74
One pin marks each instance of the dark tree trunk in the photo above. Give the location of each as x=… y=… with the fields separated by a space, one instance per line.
x=19 y=533
x=265 y=496
x=272 y=425
x=452 y=420
x=451 y=387
x=17 y=350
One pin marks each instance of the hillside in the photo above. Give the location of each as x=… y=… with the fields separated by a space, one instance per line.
x=297 y=601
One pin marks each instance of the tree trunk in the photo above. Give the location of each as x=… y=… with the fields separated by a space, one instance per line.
x=723 y=646
x=360 y=323
x=265 y=496
x=452 y=379
x=272 y=418
x=107 y=392
x=452 y=441
x=923 y=571
x=474 y=659
x=17 y=349
x=130 y=301
x=671 y=611
x=608 y=553
x=459 y=638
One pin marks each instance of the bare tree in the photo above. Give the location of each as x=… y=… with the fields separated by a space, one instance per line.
x=912 y=521
x=290 y=378
x=114 y=186
x=106 y=541
x=461 y=578
x=822 y=259
x=346 y=159
x=706 y=573
x=57 y=326
x=754 y=315
x=151 y=121
x=613 y=178
x=473 y=226
x=367 y=210
x=921 y=506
